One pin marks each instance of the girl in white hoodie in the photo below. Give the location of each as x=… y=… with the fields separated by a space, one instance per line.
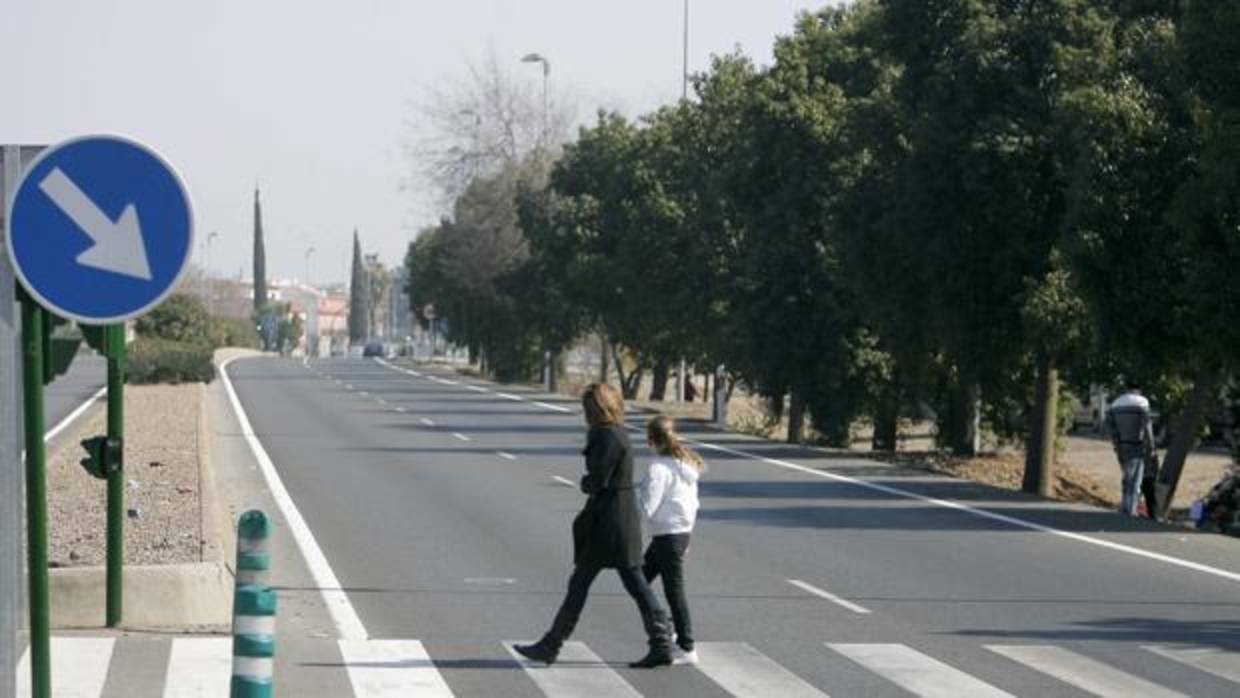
x=669 y=501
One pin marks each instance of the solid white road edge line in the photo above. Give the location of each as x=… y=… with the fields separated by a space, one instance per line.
x=823 y=593
x=564 y=481
x=348 y=624
x=948 y=504
x=77 y=412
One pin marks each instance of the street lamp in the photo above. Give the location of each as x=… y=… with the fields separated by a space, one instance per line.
x=684 y=73
x=206 y=283
x=309 y=251
x=546 y=70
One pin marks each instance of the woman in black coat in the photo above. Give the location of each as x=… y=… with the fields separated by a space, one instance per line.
x=607 y=533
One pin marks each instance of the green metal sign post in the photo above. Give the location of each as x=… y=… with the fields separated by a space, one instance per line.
x=114 y=339
x=33 y=372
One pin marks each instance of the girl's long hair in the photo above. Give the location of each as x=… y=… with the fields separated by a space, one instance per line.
x=661 y=431
x=603 y=405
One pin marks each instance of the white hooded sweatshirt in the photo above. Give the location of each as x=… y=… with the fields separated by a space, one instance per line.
x=669 y=496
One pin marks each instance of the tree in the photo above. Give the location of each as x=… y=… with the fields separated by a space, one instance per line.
x=260 y=259
x=359 y=296
x=182 y=317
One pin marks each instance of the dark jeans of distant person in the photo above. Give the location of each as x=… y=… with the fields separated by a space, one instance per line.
x=1132 y=468
x=666 y=557
x=579 y=590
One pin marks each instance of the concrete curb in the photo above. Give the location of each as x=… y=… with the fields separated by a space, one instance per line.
x=180 y=596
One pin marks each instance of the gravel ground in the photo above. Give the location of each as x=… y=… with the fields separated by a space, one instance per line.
x=163 y=523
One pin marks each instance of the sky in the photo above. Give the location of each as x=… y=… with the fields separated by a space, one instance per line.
x=316 y=101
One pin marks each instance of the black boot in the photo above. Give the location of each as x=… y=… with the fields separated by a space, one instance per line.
x=659 y=632
x=548 y=648
x=541 y=651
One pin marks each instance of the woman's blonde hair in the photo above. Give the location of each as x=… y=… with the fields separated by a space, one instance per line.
x=603 y=405
x=661 y=431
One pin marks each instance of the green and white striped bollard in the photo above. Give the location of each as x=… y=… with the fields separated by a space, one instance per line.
x=254 y=610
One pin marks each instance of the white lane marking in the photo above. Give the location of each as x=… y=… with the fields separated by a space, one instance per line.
x=1086 y=674
x=427 y=422
x=554 y=408
x=916 y=672
x=477 y=388
x=949 y=504
x=199 y=667
x=77 y=412
x=823 y=593
x=564 y=481
x=578 y=672
x=381 y=401
x=392 y=669
x=364 y=394
x=503 y=581
x=459 y=436
x=399 y=409
x=505 y=455
x=348 y=386
x=1209 y=659
x=510 y=396
x=747 y=673
x=79 y=667
x=348 y=624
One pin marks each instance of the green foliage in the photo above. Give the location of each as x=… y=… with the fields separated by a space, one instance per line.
x=359 y=296
x=182 y=317
x=233 y=332
x=155 y=360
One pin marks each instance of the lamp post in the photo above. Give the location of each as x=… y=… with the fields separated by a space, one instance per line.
x=684 y=73
x=206 y=282
x=309 y=252
x=546 y=71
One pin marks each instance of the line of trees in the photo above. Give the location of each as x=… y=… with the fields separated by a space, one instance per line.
x=959 y=204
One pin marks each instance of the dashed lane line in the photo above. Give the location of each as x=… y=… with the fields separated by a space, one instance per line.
x=824 y=594
x=564 y=481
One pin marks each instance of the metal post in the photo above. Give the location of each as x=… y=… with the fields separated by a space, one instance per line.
x=684 y=75
x=33 y=318
x=254 y=609
x=10 y=444
x=115 y=341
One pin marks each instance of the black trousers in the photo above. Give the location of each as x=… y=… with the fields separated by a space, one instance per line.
x=666 y=557
x=654 y=618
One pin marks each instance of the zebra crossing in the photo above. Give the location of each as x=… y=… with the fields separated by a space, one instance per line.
x=199 y=667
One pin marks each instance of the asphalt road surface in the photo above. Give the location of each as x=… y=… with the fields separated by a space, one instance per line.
x=86 y=375
x=440 y=505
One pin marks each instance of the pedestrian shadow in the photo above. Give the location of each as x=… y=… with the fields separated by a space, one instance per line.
x=1223 y=634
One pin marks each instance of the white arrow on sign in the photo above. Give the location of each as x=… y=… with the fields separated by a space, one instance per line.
x=118 y=247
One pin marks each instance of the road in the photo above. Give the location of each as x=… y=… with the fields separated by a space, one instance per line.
x=86 y=375
x=435 y=501
x=431 y=519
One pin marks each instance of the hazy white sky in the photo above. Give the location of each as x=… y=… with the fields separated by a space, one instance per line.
x=312 y=99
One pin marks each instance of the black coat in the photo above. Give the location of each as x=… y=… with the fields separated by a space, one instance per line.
x=608 y=531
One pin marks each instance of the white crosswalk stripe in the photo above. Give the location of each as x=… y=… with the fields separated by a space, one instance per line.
x=1208 y=659
x=392 y=669
x=578 y=672
x=917 y=673
x=79 y=667
x=199 y=667
x=1082 y=672
x=747 y=673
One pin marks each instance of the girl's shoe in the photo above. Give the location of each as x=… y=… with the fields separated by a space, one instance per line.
x=681 y=656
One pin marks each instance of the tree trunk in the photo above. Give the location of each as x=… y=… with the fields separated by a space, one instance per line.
x=553 y=375
x=775 y=405
x=722 y=393
x=659 y=380
x=796 y=417
x=1184 y=436
x=602 y=355
x=965 y=429
x=1040 y=443
x=887 y=418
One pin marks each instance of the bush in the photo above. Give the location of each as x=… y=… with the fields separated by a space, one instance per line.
x=180 y=318
x=233 y=332
x=164 y=361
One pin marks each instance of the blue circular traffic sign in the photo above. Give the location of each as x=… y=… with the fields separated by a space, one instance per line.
x=100 y=229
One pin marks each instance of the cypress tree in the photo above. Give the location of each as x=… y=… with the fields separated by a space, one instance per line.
x=260 y=259
x=359 y=296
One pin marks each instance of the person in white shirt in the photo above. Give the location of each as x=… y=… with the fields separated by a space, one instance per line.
x=669 y=502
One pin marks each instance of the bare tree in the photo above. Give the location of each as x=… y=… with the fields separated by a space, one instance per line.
x=478 y=124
